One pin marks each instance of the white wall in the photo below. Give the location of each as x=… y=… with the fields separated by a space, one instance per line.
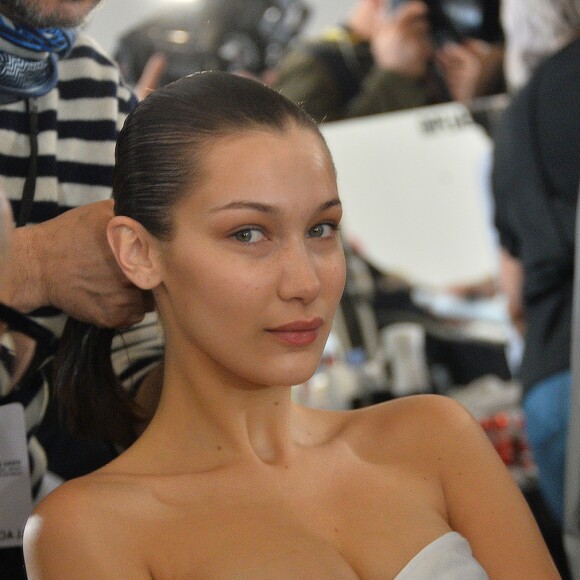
x=113 y=17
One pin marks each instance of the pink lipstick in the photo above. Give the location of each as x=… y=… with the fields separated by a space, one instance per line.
x=299 y=332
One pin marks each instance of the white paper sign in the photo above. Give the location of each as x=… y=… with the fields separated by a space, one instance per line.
x=415 y=190
x=15 y=487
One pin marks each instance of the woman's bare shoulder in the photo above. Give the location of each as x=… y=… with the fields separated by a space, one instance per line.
x=79 y=521
x=428 y=410
x=409 y=426
x=76 y=503
x=87 y=488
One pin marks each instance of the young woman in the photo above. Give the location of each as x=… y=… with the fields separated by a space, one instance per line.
x=227 y=209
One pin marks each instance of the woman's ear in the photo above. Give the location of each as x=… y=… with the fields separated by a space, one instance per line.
x=135 y=251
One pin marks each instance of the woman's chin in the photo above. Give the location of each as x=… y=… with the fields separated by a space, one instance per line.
x=295 y=375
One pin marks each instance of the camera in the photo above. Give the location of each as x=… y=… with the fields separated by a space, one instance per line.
x=457 y=20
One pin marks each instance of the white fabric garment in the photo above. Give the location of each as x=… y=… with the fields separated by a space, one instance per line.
x=448 y=557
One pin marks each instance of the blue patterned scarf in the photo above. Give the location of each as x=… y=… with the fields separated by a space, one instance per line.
x=28 y=59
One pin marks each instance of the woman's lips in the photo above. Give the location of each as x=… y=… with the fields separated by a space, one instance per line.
x=299 y=332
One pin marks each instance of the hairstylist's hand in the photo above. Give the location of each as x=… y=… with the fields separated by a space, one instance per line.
x=470 y=69
x=66 y=262
x=402 y=43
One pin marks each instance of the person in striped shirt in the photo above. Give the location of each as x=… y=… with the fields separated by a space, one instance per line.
x=62 y=103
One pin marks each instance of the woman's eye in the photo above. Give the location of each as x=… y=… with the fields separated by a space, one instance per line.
x=321 y=231
x=248 y=235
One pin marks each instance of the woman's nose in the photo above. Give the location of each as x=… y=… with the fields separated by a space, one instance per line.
x=299 y=278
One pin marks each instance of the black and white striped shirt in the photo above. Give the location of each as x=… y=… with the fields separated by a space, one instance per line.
x=78 y=123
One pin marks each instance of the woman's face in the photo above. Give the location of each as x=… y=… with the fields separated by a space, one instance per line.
x=253 y=276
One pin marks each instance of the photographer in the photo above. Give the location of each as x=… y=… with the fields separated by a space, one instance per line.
x=396 y=55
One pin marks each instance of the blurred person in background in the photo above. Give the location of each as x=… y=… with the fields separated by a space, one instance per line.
x=534 y=30
x=62 y=103
x=536 y=172
x=392 y=55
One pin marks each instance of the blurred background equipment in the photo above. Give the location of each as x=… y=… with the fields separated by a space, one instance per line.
x=229 y=35
x=458 y=20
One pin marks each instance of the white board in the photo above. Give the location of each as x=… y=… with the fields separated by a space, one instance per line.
x=415 y=190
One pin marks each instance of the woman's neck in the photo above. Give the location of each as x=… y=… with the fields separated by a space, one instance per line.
x=206 y=414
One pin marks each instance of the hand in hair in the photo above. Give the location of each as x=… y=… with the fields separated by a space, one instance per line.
x=93 y=289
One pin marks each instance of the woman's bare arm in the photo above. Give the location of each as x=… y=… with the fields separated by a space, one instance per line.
x=483 y=501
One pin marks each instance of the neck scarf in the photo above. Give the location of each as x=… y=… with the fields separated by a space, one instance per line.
x=29 y=58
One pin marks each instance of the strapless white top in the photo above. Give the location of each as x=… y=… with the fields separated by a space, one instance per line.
x=449 y=557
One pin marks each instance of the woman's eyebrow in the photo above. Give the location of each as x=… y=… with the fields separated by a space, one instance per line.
x=330 y=203
x=254 y=205
x=266 y=208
